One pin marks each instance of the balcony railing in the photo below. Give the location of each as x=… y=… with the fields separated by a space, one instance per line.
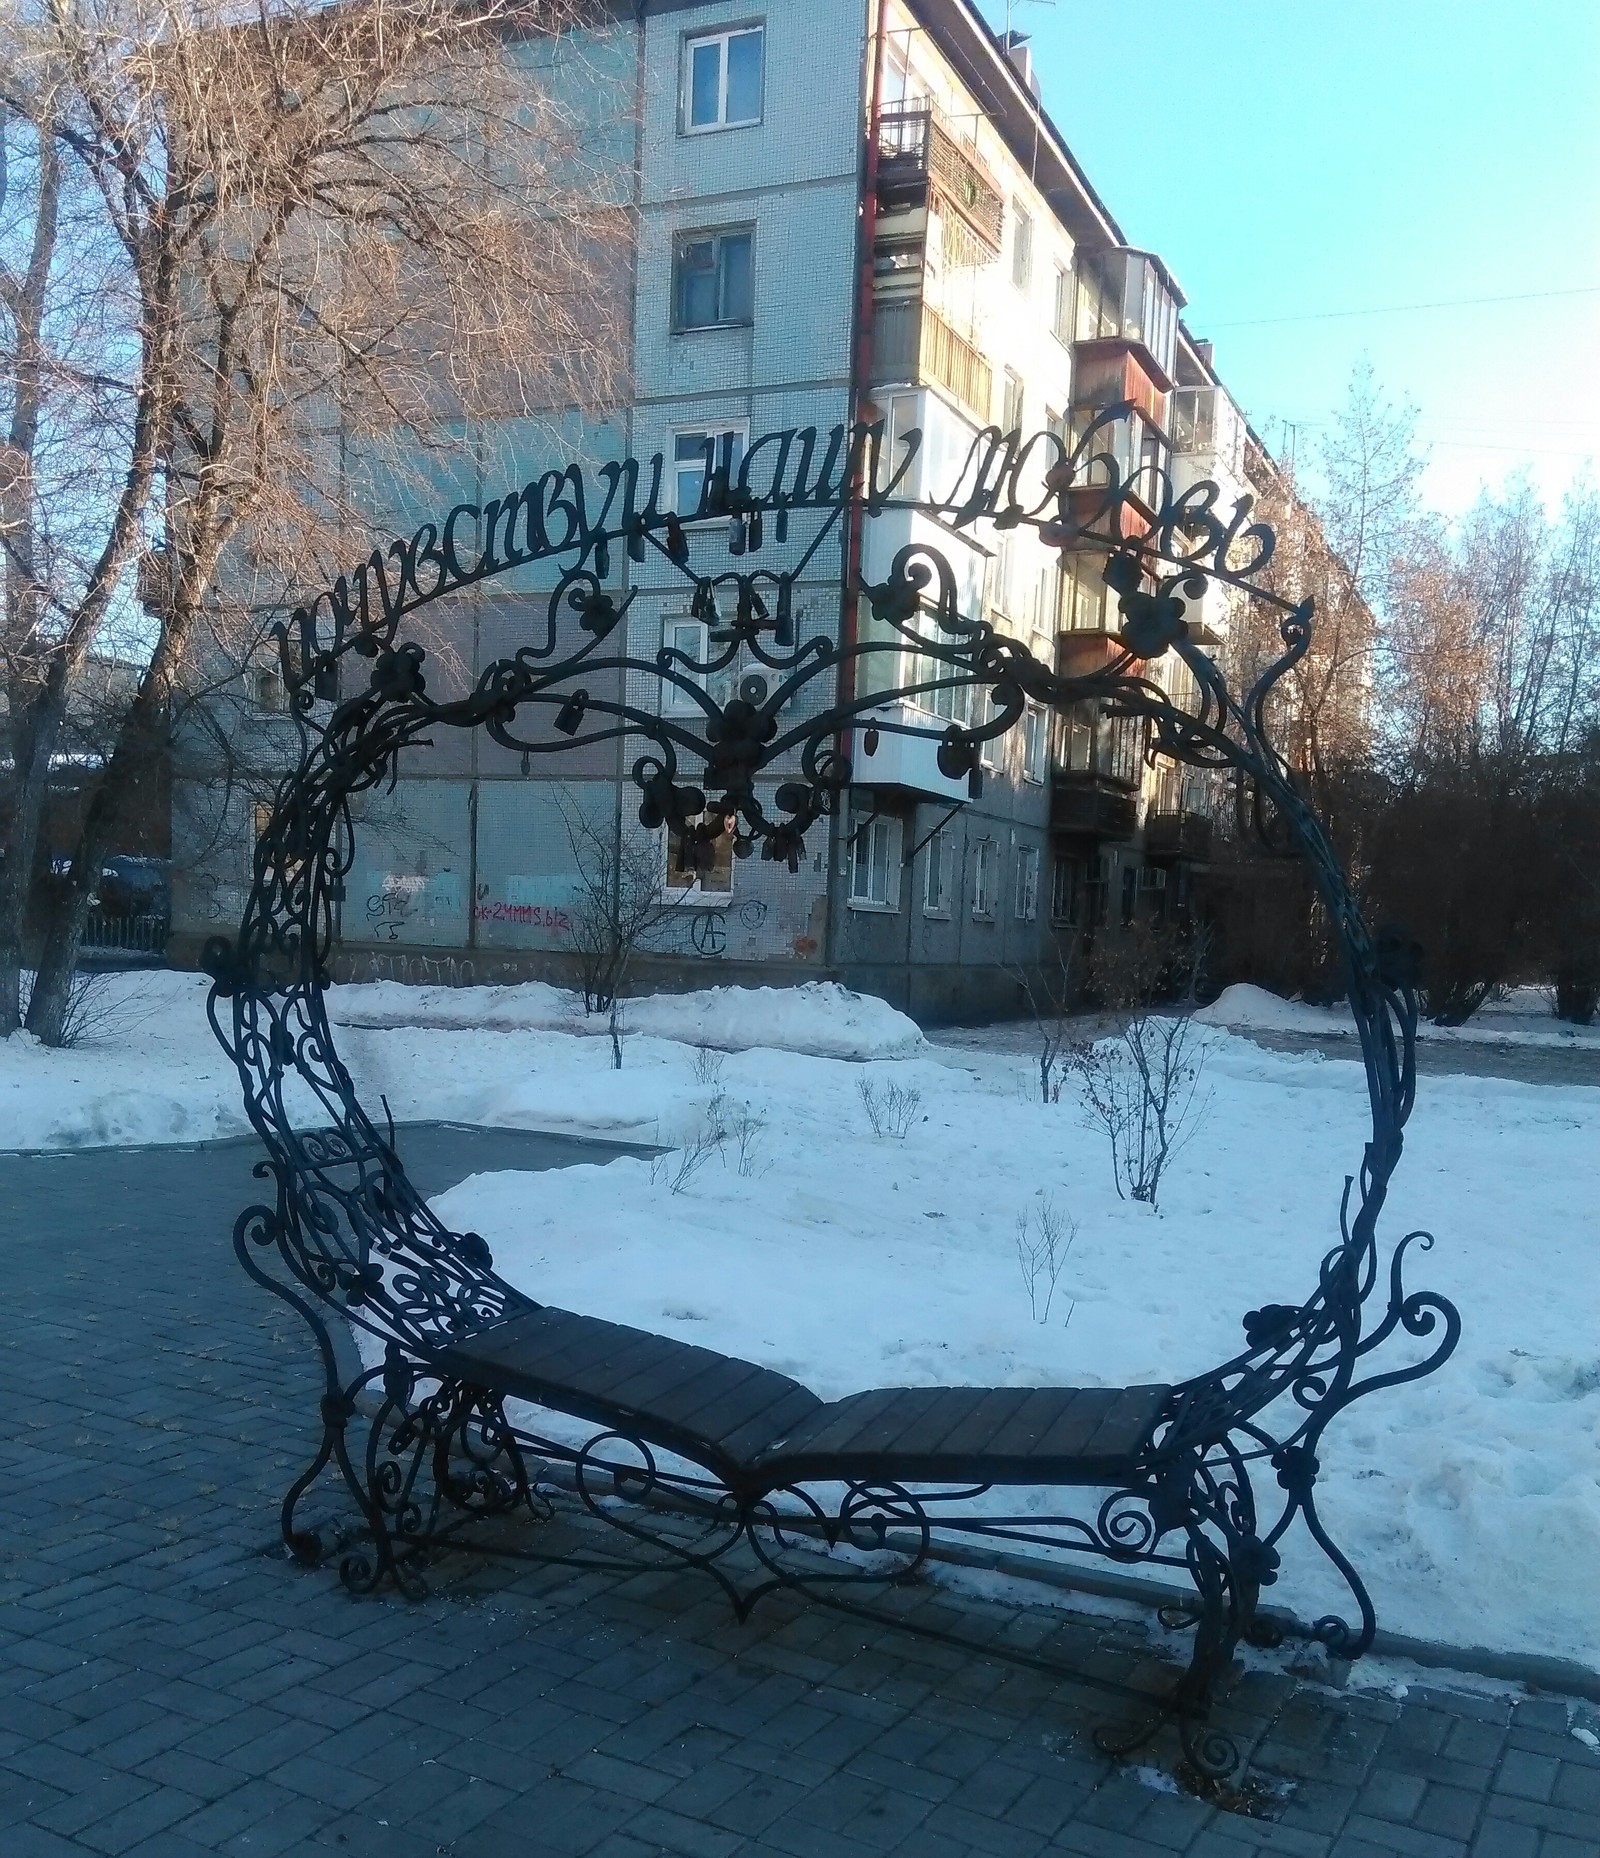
x=916 y=149
x=913 y=343
x=1088 y=806
x=1177 y=835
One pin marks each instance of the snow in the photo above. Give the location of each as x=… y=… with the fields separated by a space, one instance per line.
x=1522 y=1018
x=1470 y=1501
x=821 y=1017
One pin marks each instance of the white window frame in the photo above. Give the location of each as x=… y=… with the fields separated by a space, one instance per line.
x=686 y=80
x=1027 y=884
x=1061 y=311
x=740 y=430
x=937 y=895
x=1021 y=247
x=870 y=835
x=1013 y=398
x=1035 y=744
x=675 y=702
x=985 y=877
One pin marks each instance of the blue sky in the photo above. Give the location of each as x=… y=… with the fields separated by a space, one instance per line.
x=1290 y=158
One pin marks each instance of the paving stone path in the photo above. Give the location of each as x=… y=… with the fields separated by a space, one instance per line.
x=170 y=1686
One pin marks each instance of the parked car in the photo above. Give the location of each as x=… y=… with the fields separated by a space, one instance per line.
x=131 y=886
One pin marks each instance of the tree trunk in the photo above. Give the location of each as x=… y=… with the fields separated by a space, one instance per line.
x=140 y=742
x=35 y=729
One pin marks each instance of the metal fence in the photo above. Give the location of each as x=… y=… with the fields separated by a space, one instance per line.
x=125 y=935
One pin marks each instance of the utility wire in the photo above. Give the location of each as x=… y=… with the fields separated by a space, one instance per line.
x=1401 y=309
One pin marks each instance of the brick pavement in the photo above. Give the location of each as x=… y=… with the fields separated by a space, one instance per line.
x=170 y=1686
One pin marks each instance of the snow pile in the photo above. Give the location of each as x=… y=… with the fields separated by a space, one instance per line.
x=820 y=1017
x=1522 y=1018
x=150 y=1070
x=1246 y=1008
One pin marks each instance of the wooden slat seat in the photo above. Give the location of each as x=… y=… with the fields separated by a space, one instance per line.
x=972 y=1435
x=751 y=1424
x=705 y=1406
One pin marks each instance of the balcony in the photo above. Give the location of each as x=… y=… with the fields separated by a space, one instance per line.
x=914 y=345
x=907 y=764
x=1084 y=805
x=1084 y=652
x=1129 y=451
x=1208 y=436
x=917 y=155
x=1177 y=835
x=1127 y=297
x=1111 y=373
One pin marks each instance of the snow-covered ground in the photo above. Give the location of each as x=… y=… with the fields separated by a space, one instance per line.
x=1523 y=1017
x=1471 y=1502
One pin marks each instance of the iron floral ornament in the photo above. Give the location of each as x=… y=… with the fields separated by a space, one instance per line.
x=344 y=1234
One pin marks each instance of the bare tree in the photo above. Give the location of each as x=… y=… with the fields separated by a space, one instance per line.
x=250 y=264
x=1337 y=542
x=619 y=902
x=1141 y=1083
x=1051 y=990
x=1045 y=1235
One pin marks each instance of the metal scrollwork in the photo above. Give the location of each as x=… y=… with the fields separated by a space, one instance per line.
x=340 y=1230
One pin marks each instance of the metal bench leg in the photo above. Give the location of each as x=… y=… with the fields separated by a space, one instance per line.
x=1229 y=1564
x=258 y=1228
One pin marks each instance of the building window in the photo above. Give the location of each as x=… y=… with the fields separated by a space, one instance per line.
x=700 y=862
x=712 y=279
x=1021 y=247
x=689 y=638
x=722 y=80
x=992 y=749
x=902 y=415
x=1130 y=895
x=1027 y=884
x=1097 y=886
x=268 y=690
x=1121 y=747
x=1003 y=573
x=1061 y=310
x=1066 y=892
x=938 y=883
x=1035 y=744
x=985 y=873
x=1011 y=405
x=875 y=862
x=1087 y=603
x=695 y=455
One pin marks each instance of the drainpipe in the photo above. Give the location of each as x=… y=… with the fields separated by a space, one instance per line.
x=860 y=384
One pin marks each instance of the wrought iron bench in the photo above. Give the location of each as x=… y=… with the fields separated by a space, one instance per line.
x=431 y=1440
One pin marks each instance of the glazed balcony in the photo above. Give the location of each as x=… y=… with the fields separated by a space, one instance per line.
x=1208 y=438
x=1127 y=299
x=1139 y=458
x=919 y=158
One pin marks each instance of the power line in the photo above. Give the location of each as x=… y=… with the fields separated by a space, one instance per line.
x=1401 y=309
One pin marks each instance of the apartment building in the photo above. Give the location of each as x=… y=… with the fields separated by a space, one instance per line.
x=844 y=209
